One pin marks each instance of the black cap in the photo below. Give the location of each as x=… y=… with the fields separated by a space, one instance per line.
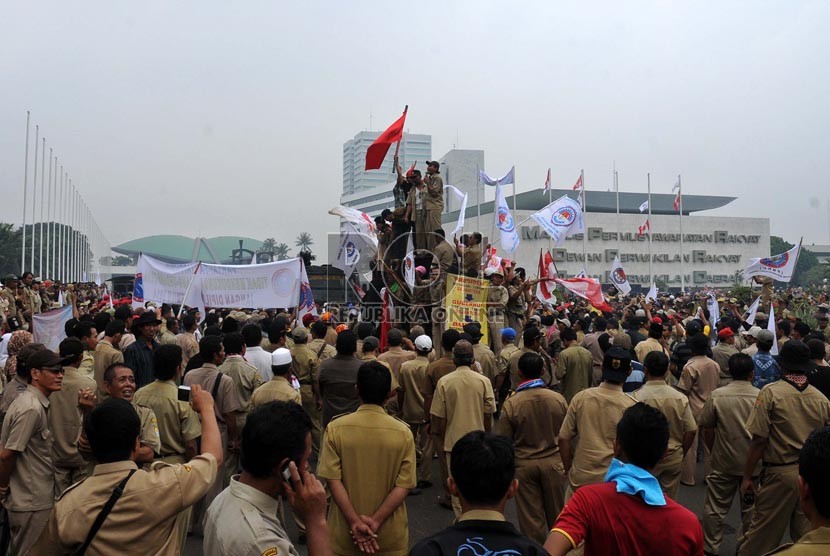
x=44 y=359
x=616 y=364
x=70 y=349
x=795 y=357
x=433 y=163
x=473 y=329
x=147 y=318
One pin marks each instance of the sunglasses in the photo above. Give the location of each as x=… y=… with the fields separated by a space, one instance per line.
x=54 y=370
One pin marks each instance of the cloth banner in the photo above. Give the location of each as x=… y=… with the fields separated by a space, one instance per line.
x=363 y=223
x=306 y=304
x=753 y=310
x=507 y=179
x=49 y=327
x=618 y=277
x=547 y=272
x=772 y=328
x=652 y=293
x=560 y=219
x=461 y=197
x=714 y=310
x=466 y=301
x=348 y=252
x=505 y=223
x=586 y=288
x=780 y=267
x=409 y=264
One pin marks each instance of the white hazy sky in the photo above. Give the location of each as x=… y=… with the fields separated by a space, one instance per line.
x=209 y=118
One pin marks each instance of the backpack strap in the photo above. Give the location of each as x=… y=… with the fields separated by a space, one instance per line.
x=105 y=511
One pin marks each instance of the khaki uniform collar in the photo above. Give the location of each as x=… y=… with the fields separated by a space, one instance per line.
x=105 y=468
x=482 y=515
x=820 y=535
x=372 y=408
x=44 y=401
x=608 y=386
x=261 y=501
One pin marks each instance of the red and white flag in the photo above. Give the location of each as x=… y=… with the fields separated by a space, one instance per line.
x=579 y=186
x=677 y=197
x=644 y=228
x=586 y=288
x=547 y=273
x=547 y=183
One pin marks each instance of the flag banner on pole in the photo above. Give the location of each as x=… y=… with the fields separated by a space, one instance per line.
x=677 y=197
x=386 y=317
x=363 y=223
x=619 y=278
x=461 y=197
x=505 y=223
x=753 y=310
x=348 y=252
x=377 y=150
x=61 y=301
x=506 y=179
x=644 y=206
x=652 y=292
x=586 y=288
x=493 y=261
x=714 y=310
x=547 y=272
x=547 y=183
x=579 y=185
x=772 y=328
x=409 y=263
x=49 y=328
x=560 y=219
x=780 y=267
x=306 y=304
x=644 y=228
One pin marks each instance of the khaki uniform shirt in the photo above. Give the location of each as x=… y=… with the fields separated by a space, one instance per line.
x=414 y=382
x=472 y=259
x=331 y=336
x=178 y=424
x=503 y=359
x=105 y=355
x=246 y=379
x=395 y=356
x=11 y=391
x=574 y=369
x=437 y=370
x=371 y=453
x=674 y=405
x=727 y=411
x=813 y=543
x=786 y=416
x=278 y=389
x=168 y=338
x=8 y=295
x=592 y=419
x=327 y=351
x=149 y=435
x=591 y=343
x=445 y=253
x=26 y=431
x=514 y=367
x=484 y=356
x=721 y=354
x=462 y=398
x=189 y=345
x=65 y=419
x=226 y=400
x=434 y=199
x=143 y=520
x=647 y=346
x=532 y=418
x=87 y=366
x=498 y=294
x=698 y=379
x=305 y=364
x=243 y=521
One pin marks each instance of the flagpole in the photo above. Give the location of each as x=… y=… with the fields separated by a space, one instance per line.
x=187 y=290
x=650 y=268
x=478 y=200
x=682 y=266
x=550 y=200
x=584 y=233
x=34 y=203
x=42 y=203
x=617 y=189
x=514 y=190
x=61 y=229
x=25 y=196
x=49 y=226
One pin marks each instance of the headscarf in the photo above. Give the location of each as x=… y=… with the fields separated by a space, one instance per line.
x=18 y=341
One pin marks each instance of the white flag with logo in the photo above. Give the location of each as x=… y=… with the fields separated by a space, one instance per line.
x=560 y=219
x=772 y=328
x=753 y=310
x=306 y=303
x=361 y=221
x=780 y=267
x=652 y=292
x=619 y=278
x=409 y=263
x=505 y=223
x=348 y=253
x=714 y=310
x=644 y=206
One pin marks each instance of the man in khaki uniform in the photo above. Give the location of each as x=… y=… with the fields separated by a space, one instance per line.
x=463 y=402
x=433 y=201
x=119 y=383
x=723 y=426
x=575 y=365
x=591 y=424
x=279 y=387
x=27 y=474
x=246 y=379
x=413 y=382
x=169 y=331
x=187 y=339
x=10 y=287
x=107 y=354
x=591 y=343
x=85 y=331
x=415 y=211
x=531 y=343
x=369 y=479
x=508 y=340
x=146 y=516
x=306 y=363
x=783 y=417
x=318 y=344
x=497 y=297
x=65 y=419
x=652 y=343
x=532 y=418
x=675 y=406
x=700 y=376
x=395 y=356
x=483 y=354
x=443 y=252
x=471 y=255
x=723 y=350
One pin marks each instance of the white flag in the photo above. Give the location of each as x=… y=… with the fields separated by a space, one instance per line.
x=772 y=328
x=652 y=292
x=505 y=223
x=253 y=258
x=348 y=254
x=409 y=263
x=560 y=219
x=753 y=310
x=61 y=301
x=461 y=197
x=714 y=310
x=306 y=303
x=644 y=206
x=619 y=278
x=50 y=327
x=780 y=267
x=506 y=179
x=362 y=222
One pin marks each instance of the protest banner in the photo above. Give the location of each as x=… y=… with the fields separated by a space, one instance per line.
x=50 y=327
x=466 y=301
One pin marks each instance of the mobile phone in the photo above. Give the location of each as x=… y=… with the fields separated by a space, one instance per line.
x=286 y=472
x=184 y=393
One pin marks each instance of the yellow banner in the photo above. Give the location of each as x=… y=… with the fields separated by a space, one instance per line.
x=466 y=301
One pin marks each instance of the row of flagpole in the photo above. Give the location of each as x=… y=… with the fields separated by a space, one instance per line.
x=74 y=244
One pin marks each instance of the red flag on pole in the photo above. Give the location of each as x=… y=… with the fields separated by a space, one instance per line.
x=644 y=228
x=377 y=150
x=547 y=182
x=588 y=289
x=579 y=186
x=547 y=273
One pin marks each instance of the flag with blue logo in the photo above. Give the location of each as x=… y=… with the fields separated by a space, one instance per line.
x=560 y=219
x=505 y=223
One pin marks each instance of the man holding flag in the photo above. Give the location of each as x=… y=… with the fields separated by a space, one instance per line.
x=433 y=201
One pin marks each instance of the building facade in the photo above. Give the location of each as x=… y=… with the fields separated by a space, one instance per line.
x=356 y=180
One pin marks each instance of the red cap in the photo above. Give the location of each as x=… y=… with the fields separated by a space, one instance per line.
x=657 y=320
x=725 y=333
x=308 y=318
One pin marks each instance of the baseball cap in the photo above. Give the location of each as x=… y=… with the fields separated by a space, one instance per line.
x=725 y=333
x=308 y=318
x=341 y=327
x=508 y=333
x=433 y=163
x=300 y=334
x=616 y=364
x=420 y=269
x=370 y=343
x=281 y=356
x=566 y=322
x=46 y=358
x=640 y=313
x=326 y=317
x=765 y=336
x=473 y=329
x=753 y=331
x=423 y=343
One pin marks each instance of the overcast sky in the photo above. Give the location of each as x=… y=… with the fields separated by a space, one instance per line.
x=206 y=118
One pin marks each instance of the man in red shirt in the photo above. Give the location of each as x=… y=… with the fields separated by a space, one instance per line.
x=628 y=513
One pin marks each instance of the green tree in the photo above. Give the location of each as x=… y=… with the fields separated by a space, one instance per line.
x=281 y=251
x=806 y=260
x=304 y=242
x=268 y=246
x=10 y=244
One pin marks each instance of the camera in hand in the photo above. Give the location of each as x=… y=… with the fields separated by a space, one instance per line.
x=184 y=393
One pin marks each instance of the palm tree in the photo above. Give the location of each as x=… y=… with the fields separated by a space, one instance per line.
x=304 y=242
x=281 y=251
x=268 y=246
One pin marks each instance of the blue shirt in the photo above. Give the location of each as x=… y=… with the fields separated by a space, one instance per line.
x=766 y=369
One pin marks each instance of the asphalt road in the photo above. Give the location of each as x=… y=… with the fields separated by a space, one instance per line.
x=427 y=517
